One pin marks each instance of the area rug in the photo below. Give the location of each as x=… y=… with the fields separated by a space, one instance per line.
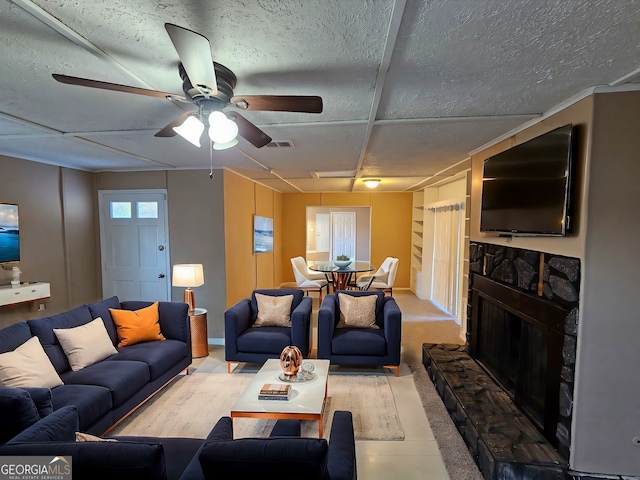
x=191 y=405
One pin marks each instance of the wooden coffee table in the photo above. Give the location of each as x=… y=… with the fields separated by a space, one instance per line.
x=306 y=402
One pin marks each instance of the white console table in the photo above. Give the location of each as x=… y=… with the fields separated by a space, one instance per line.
x=25 y=292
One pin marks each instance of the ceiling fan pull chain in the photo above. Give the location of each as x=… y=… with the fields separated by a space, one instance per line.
x=211 y=159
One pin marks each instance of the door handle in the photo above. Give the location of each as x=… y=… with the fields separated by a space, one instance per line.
x=161 y=275
x=161 y=247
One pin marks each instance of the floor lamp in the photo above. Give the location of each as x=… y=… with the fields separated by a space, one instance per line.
x=188 y=275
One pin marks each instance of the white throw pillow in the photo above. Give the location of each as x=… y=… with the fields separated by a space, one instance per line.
x=273 y=310
x=86 y=344
x=357 y=311
x=28 y=366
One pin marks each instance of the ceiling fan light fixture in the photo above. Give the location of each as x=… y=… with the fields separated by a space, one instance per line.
x=221 y=129
x=224 y=146
x=371 y=182
x=191 y=130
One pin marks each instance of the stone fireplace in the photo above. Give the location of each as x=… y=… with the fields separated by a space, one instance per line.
x=509 y=389
x=523 y=310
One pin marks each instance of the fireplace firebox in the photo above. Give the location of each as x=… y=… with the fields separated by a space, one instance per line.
x=518 y=338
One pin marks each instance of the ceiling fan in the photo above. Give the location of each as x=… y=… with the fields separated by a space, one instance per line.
x=209 y=85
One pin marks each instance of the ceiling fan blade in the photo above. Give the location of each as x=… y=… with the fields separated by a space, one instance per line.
x=249 y=131
x=194 y=51
x=280 y=103
x=168 y=131
x=85 y=82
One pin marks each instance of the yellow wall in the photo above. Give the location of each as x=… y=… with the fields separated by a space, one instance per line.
x=245 y=270
x=390 y=226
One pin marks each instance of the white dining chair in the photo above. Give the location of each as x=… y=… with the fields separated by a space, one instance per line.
x=307 y=281
x=382 y=279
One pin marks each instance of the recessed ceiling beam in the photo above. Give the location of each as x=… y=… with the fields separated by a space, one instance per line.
x=390 y=43
x=68 y=33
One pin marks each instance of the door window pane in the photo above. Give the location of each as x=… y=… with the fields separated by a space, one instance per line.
x=147 y=209
x=120 y=209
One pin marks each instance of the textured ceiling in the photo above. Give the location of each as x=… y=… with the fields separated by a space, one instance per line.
x=409 y=87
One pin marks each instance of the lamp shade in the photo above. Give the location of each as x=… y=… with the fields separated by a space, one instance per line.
x=188 y=275
x=371 y=182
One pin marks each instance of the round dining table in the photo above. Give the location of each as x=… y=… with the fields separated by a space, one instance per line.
x=341 y=276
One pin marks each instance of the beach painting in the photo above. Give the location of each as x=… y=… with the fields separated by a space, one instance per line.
x=262 y=234
x=9 y=233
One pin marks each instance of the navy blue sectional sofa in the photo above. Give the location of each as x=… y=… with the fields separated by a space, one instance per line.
x=44 y=432
x=105 y=392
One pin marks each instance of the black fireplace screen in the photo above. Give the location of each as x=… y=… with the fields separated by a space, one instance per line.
x=518 y=339
x=515 y=352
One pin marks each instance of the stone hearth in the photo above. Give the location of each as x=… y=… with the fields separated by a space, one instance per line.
x=505 y=444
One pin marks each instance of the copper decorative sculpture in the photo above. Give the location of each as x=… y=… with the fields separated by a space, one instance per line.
x=290 y=361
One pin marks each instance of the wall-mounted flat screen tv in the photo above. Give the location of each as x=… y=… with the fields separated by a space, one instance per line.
x=527 y=190
x=9 y=233
x=262 y=234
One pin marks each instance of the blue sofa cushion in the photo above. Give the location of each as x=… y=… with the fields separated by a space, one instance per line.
x=101 y=309
x=358 y=341
x=60 y=426
x=265 y=458
x=160 y=356
x=178 y=452
x=298 y=295
x=264 y=340
x=102 y=460
x=17 y=412
x=123 y=378
x=93 y=402
x=355 y=293
x=43 y=329
x=13 y=336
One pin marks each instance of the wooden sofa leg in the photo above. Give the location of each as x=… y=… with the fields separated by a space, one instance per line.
x=229 y=366
x=394 y=367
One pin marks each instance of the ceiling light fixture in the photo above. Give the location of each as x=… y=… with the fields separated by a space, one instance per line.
x=222 y=130
x=371 y=182
x=224 y=146
x=191 y=130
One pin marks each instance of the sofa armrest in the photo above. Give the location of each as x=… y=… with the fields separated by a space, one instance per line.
x=42 y=399
x=301 y=326
x=59 y=426
x=222 y=431
x=326 y=325
x=392 y=328
x=341 y=457
x=237 y=319
x=118 y=460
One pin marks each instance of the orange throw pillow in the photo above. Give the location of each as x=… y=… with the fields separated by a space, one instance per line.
x=137 y=326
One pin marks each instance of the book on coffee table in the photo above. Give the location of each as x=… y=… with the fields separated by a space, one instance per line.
x=274 y=391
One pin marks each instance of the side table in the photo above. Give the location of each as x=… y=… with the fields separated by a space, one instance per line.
x=199 y=335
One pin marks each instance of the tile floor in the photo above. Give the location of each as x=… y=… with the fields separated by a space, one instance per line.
x=417 y=457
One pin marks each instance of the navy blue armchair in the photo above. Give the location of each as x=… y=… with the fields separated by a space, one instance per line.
x=361 y=346
x=245 y=343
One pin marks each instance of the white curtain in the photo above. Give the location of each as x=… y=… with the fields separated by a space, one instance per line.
x=448 y=224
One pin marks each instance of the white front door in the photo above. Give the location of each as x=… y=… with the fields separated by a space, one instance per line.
x=343 y=242
x=134 y=244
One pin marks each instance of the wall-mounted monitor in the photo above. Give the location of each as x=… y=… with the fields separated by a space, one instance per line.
x=262 y=234
x=9 y=233
x=527 y=190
